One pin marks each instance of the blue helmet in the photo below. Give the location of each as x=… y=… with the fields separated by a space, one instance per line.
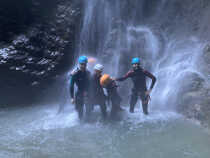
x=135 y=61
x=83 y=60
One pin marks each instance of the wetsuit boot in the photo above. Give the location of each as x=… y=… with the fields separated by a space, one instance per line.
x=89 y=109
x=145 y=108
x=145 y=101
x=103 y=110
x=113 y=113
x=133 y=102
x=79 y=102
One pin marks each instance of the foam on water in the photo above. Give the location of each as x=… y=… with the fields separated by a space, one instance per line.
x=61 y=135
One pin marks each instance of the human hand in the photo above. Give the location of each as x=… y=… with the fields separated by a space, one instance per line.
x=113 y=78
x=72 y=101
x=148 y=92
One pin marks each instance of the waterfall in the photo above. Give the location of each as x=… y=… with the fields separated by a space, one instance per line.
x=116 y=31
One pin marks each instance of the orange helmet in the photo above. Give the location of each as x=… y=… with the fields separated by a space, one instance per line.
x=105 y=80
x=91 y=60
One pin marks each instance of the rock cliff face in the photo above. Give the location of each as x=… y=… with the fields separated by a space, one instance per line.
x=190 y=19
x=184 y=20
x=37 y=40
x=195 y=99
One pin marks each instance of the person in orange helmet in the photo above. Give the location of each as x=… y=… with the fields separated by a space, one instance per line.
x=110 y=85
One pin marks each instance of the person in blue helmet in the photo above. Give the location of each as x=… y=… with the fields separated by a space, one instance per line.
x=138 y=76
x=81 y=77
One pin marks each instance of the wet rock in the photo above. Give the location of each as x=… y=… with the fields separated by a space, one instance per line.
x=194 y=99
x=206 y=54
x=39 y=50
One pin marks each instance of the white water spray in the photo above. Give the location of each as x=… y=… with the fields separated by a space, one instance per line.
x=113 y=40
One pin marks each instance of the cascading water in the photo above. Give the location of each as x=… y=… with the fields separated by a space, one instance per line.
x=114 y=31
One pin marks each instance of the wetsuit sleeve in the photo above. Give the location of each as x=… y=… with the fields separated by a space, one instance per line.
x=126 y=76
x=148 y=74
x=72 y=81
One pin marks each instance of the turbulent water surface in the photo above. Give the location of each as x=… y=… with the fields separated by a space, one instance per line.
x=40 y=132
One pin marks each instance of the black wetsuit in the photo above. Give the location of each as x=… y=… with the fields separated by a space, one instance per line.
x=97 y=96
x=82 y=80
x=139 y=87
x=114 y=97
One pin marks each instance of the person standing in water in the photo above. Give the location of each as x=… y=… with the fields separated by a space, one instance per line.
x=110 y=85
x=138 y=76
x=81 y=77
x=97 y=96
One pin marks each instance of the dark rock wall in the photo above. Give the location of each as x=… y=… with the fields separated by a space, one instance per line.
x=37 y=40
